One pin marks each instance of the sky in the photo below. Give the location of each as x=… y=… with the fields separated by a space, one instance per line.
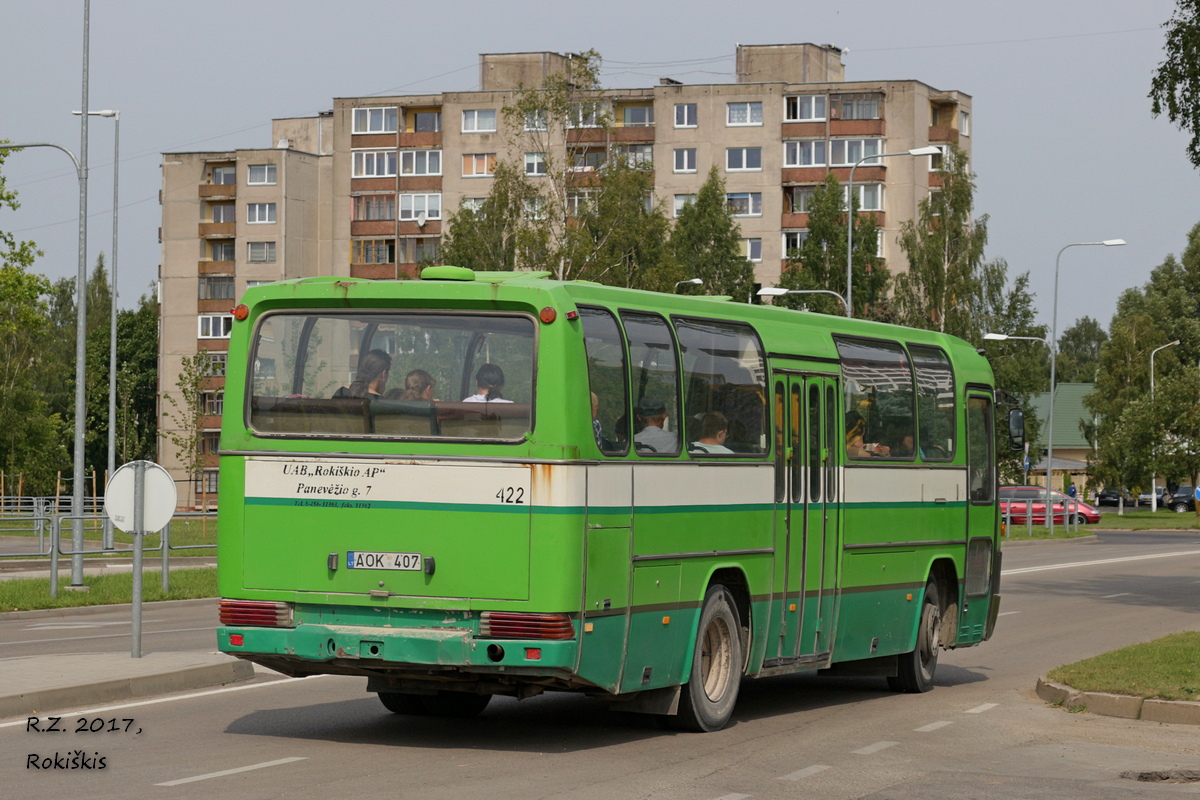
x=1065 y=148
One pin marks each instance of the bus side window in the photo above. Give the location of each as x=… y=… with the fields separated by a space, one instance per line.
x=608 y=398
x=724 y=371
x=654 y=380
x=935 y=403
x=879 y=398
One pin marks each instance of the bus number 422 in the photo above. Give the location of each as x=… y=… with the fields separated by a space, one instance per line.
x=511 y=494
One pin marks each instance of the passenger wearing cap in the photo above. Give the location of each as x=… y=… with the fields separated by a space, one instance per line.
x=652 y=415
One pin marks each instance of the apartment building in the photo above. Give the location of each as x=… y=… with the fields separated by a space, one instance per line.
x=364 y=190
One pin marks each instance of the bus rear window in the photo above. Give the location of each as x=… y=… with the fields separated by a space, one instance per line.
x=393 y=375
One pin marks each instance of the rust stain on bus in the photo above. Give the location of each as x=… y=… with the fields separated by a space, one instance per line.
x=541 y=481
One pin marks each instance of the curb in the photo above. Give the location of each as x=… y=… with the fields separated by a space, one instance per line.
x=119 y=689
x=67 y=611
x=1180 y=712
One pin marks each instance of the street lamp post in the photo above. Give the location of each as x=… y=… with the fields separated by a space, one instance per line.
x=1053 y=353
x=929 y=150
x=779 y=291
x=1153 y=472
x=112 y=322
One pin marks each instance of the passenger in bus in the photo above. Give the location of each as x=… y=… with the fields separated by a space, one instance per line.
x=418 y=385
x=371 y=379
x=597 y=429
x=714 y=428
x=652 y=416
x=489 y=381
x=856 y=428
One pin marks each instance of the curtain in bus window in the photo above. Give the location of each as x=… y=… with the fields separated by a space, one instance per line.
x=879 y=398
x=392 y=374
x=935 y=403
x=723 y=373
x=606 y=378
x=653 y=383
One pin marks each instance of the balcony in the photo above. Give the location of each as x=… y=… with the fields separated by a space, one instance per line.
x=943 y=133
x=216 y=267
x=218 y=191
x=218 y=230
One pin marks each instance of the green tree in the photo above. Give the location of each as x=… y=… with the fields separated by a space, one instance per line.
x=1079 y=351
x=944 y=246
x=1175 y=87
x=706 y=243
x=492 y=236
x=186 y=409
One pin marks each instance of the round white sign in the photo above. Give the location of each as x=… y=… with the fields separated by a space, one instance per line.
x=158 y=497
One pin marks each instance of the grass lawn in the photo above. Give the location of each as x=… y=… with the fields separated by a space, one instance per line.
x=1145 y=520
x=184 y=532
x=1167 y=669
x=23 y=594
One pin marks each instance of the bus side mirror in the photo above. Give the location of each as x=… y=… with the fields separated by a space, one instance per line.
x=1016 y=429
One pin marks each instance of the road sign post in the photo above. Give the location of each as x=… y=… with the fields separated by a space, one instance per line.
x=140 y=498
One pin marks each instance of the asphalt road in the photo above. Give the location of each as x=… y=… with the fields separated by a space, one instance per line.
x=981 y=733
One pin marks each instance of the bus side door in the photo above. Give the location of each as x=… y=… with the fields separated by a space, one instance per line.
x=608 y=558
x=981 y=517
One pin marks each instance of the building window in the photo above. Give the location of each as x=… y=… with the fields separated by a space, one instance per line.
x=374 y=207
x=252 y=284
x=848 y=152
x=683 y=200
x=584 y=115
x=536 y=120
x=216 y=364
x=427 y=121
x=793 y=240
x=799 y=198
x=473 y=204
x=587 y=159
x=804 y=154
x=374 y=164
x=637 y=116
x=535 y=208
x=752 y=249
x=857 y=106
x=419 y=250
x=804 y=108
x=535 y=163
x=686 y=115
x=478 y=165
x=964 y=123
x=579 y=201
x=743 y=159
x=938 y=159
x=207 y=483
x=212 y=403
x=413 y=206
x=869 y=196
x=224 y=176
x=637 y=155
x=744 y=204
x=222 y=251
x=685 y=159
x=215 y=326
x=748 y=113
x=375 y=120
x=373 y=251
x=260 y=213
x=480 y=120
x=223 y=212
x=210 y=442
x=261 y=175
x=260 y=252
x=216 y=287
x=421 y=162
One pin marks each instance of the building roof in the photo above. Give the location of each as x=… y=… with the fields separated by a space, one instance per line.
x=1069 y=413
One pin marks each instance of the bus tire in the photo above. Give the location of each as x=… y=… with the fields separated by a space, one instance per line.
x=443 y=704
x=915 y=669
x=707 y=699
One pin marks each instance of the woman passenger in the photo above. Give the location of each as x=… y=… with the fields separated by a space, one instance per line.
x=371 y=379
x=489 y=380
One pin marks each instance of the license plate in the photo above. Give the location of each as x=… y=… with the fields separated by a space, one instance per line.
x=365 y=559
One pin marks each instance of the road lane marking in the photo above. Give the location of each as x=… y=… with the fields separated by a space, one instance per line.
x=64 y=626
x=874 y=748
x=1007 y=613
x=1021 y=570
x=981 y=709
x=110 y=635
x=1111 y=596
x=806 y=772
x=157 y=700
x=933 y=726
x=734 y=796
x=263 y=765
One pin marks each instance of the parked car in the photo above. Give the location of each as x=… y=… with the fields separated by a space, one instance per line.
x=1019 y=503
x=1113 y=497
x=1164 y=494
x=1182 y=499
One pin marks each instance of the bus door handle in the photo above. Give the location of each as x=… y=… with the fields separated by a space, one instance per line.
x=941 y=500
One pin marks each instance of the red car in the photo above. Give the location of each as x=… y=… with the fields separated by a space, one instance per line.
x=1022 y=501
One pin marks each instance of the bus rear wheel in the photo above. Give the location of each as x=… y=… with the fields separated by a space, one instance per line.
x=442 y=704
x=915 y=669
x=708 y=698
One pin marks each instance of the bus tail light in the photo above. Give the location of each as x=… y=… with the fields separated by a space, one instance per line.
x=259 y=613
x=516 y=625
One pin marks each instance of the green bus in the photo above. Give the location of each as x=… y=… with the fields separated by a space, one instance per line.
x=497 y=483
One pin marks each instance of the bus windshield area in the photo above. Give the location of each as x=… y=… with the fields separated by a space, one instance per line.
x=393 y=374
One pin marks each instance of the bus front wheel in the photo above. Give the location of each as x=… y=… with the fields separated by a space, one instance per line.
x=708 y=698
x=915 y=669
x=442 y=704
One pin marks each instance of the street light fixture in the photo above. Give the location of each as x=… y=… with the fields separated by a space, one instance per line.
x=1153 y=476
x=112 y=323
x=692 y=281
x=1003 y=337
x=928 y=150
x=1053 y=354
x=779 y=291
